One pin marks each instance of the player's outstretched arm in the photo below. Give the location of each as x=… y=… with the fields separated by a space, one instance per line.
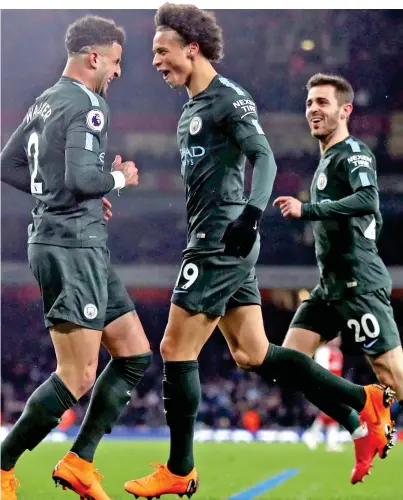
x=365 y=201
x=14 y=163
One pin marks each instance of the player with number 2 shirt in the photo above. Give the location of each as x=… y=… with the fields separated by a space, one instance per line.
x=57 y=154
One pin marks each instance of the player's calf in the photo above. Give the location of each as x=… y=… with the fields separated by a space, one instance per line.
x=111 y=394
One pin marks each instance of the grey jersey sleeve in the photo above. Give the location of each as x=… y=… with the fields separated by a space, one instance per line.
x=258 y=151
x=83 y=175
x=365 y=201
x=243 y=127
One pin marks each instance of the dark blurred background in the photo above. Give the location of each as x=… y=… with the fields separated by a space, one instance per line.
x=272 y=54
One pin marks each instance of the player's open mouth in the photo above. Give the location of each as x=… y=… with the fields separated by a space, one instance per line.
x=165 y=73
x=316 y=120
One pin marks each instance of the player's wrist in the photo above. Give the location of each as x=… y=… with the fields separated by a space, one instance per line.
x=306 y=211
x=119 y=178
x=252 y=214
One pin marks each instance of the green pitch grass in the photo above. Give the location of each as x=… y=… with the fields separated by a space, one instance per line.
x=225 y=469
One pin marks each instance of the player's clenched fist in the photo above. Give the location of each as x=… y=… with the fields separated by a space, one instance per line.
x=128 y=169
x=290 y=207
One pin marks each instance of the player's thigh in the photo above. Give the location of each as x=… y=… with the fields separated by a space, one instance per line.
x=125 y=336
x=77 y=351
x=244 y=332
x=75 y=347
x=369 y=322
x=186 y=333
x=123 y=333
x=73 y=283
x=316 y=321
x=303 y=340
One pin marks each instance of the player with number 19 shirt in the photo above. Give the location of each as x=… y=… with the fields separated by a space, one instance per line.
x=211 y=133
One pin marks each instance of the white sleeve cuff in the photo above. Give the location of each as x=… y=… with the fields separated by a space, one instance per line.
x=120 y=181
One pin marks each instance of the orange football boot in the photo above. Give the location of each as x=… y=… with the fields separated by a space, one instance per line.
x=74 y=473
x=364 y=454
x=163 y=482
x=9 y=485
x=376 y=414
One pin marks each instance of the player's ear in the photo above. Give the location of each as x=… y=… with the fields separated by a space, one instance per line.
x=346 y=111
x=193 y=50
x=93 y=58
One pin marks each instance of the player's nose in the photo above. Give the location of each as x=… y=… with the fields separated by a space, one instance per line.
x=156 y=61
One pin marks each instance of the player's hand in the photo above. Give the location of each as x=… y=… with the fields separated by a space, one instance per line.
x=290 y=207
x=241 y=234
x=107 y=205
x=128 y=169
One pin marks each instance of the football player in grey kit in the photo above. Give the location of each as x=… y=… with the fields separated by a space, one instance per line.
x=57 y=155
x=217 y=286
x=353 y=296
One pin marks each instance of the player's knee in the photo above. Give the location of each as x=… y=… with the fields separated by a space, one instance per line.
x=387 y=375
x=79 y=380
x=167 y=349
x=172 y=350
x=87 y=380
x=244 y=360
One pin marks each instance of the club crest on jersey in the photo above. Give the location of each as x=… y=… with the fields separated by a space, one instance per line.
x=95 y=120
x=195 y=125
x=90 y=311
x=322 y=181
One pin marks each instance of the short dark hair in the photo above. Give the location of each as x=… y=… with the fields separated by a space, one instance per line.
x=192 y=25
x=343 y=88
x=92 y=30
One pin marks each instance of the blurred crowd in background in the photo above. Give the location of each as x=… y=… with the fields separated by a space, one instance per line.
x=272 y=54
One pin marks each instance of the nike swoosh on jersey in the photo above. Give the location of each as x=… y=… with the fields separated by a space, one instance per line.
x=367 y=346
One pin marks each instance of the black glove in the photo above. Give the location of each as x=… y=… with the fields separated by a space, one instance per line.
x=241 y=234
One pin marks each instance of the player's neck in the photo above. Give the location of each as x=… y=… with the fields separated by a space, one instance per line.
x=339 y=135
x=76 y=72
x=202 y=74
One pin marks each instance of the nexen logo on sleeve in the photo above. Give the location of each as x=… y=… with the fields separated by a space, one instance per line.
x=246 y=105
x=360 y=160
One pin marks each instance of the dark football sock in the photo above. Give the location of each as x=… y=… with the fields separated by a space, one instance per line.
x=110 y=395
x=294 y=369
x=343 y=414
x=41 y=414
x=182 y=394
